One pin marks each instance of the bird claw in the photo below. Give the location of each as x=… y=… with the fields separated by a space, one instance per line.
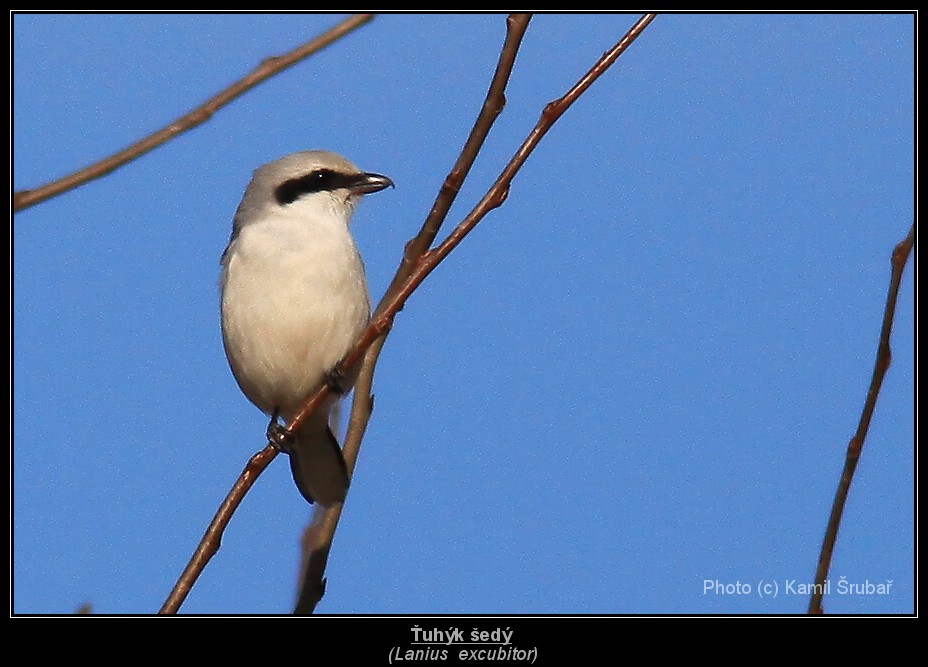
x=335 y=380
x=279 y=436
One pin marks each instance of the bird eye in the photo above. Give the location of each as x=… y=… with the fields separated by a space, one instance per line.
x=315 y=181
x=322 y=178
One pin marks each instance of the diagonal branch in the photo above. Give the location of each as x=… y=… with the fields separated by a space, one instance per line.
x=416 y=268
x=322 y=531
x=516 y=25
x=855 y=446
x=209 y=544
x=393 y=303
x=316 y=553
x=373 y=337
x=268 y=68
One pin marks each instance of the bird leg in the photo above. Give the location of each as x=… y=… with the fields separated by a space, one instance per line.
x=278 y=435
x=335 y=380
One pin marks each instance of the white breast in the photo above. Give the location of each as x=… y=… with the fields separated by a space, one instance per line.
x=294 y=301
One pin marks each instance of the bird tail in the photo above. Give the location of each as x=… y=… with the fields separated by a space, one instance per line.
x=318 y=466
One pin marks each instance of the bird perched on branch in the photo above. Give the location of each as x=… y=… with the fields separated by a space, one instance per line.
x=295 y=301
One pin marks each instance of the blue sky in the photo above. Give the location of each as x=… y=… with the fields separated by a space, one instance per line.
x=638 y=375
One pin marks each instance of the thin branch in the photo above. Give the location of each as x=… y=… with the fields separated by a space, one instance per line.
x=516 y=25
x=417 y=268
x=212 y=538
x=316 y=553
x=382 y=321
x=392 y=304
x=322 y=534
x=268 y=68
x=855 y=446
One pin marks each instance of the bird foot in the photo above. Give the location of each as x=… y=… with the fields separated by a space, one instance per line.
x=278 y=435
x=335 y=380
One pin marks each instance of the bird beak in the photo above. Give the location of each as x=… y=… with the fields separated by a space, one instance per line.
x=367 y=183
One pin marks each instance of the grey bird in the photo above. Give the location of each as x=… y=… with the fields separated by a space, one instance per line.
x=295 y=300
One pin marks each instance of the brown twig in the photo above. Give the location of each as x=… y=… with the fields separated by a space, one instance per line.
x=855 y=446
x=212 y=538
x=416 y=268
x=381 y=322
x=493 y=104
x=268 y=68
x=320 y=533
x=312 y=583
